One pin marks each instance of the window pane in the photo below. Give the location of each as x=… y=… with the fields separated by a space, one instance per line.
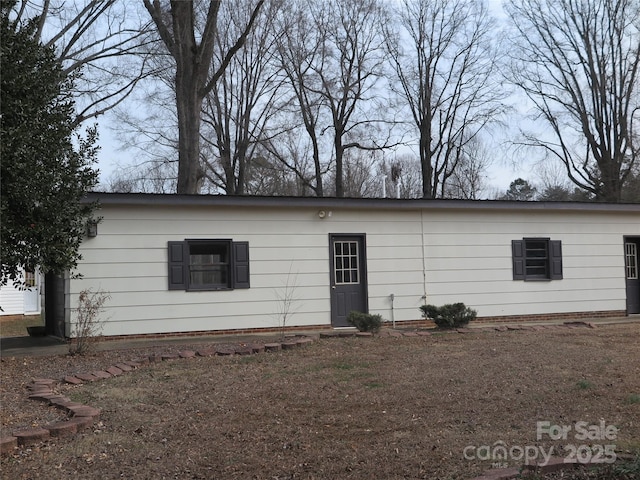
x=346 y=262
x=209 y=264
x=631 y=253
x=537 y=258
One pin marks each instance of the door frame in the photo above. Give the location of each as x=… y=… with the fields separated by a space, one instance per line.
x=636 y=240
x=362 y=261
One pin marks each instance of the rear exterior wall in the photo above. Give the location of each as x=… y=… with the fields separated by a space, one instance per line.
x=441 y=256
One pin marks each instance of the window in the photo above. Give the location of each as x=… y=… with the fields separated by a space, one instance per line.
x=345 y=257
x=217 y=264
x=536 y=259
x=631 y=254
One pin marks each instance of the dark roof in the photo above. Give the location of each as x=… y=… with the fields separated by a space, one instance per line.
x=157 y=199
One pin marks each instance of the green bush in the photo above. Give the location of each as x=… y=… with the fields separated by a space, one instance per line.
x=451 y=315
x=365 y=322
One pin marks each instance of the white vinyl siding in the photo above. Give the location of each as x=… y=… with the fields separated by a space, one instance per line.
x=467 y=258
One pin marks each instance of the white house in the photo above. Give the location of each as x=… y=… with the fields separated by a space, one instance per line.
x=180 y=263
x=22 y=301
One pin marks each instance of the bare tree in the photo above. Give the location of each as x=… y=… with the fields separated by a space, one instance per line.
x=446 y=78
x=299 y=48
x=238 y=111
x=346 y=72
x=468 y=179
x=577 y=61
x=103 y=44
x=191 y=44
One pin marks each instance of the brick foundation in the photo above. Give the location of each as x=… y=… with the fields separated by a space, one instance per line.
x=421 y=323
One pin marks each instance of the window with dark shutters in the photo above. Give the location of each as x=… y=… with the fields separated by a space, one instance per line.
x=536 y=259
x=208 y=264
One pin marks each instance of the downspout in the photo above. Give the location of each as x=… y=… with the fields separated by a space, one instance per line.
x=424 y=258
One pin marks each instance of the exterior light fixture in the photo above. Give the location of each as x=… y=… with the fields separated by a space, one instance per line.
x=92 y=228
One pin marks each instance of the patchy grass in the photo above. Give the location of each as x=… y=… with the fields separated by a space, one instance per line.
x=17 y=326
x=352 y=408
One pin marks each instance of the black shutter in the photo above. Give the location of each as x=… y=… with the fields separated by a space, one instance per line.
x=518 y=259
x=240 y=264
x=555 y=259
x=178 y=264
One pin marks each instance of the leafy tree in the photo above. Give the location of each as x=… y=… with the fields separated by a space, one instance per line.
x=43 y=177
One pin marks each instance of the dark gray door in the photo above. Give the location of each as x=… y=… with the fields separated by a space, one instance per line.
x=348 y=277
x=631 y=255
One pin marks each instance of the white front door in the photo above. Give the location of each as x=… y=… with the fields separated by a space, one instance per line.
x=31 y=296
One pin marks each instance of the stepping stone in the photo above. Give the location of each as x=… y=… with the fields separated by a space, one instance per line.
x=60 y=402
x=244 y=350
x=224 y=351
x=85 y=411
x=410 y=334
x=101 y=374
x=31 y=437
x=87 y=377
x=328 y=334
x=206 y=353
x=43 y=397
x=73 y=380
x=114 y=371
x=169 y=356
x=138 y=362
x=464 y=330
x=44 y=381
x=347 y=333
x=364 y=334
x=501 y=329
x=39 y=388
x=289 y=345
x=258 y=348
x=125 y=367
x=187 y=354
x=272 y=347
x=62 y=429
x=424 y=334
x=304 y=341
x=395 y=334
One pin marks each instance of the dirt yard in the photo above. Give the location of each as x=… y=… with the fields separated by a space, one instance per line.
x=419 y=407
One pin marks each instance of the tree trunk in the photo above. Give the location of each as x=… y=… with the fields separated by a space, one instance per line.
x=337 y=142
x=189 y=104
x=425 y=161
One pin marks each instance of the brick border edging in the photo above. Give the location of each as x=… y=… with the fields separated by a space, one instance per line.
x=83 y=416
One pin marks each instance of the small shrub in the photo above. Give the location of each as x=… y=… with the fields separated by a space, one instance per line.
x=452 y=315
x=365 y=322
